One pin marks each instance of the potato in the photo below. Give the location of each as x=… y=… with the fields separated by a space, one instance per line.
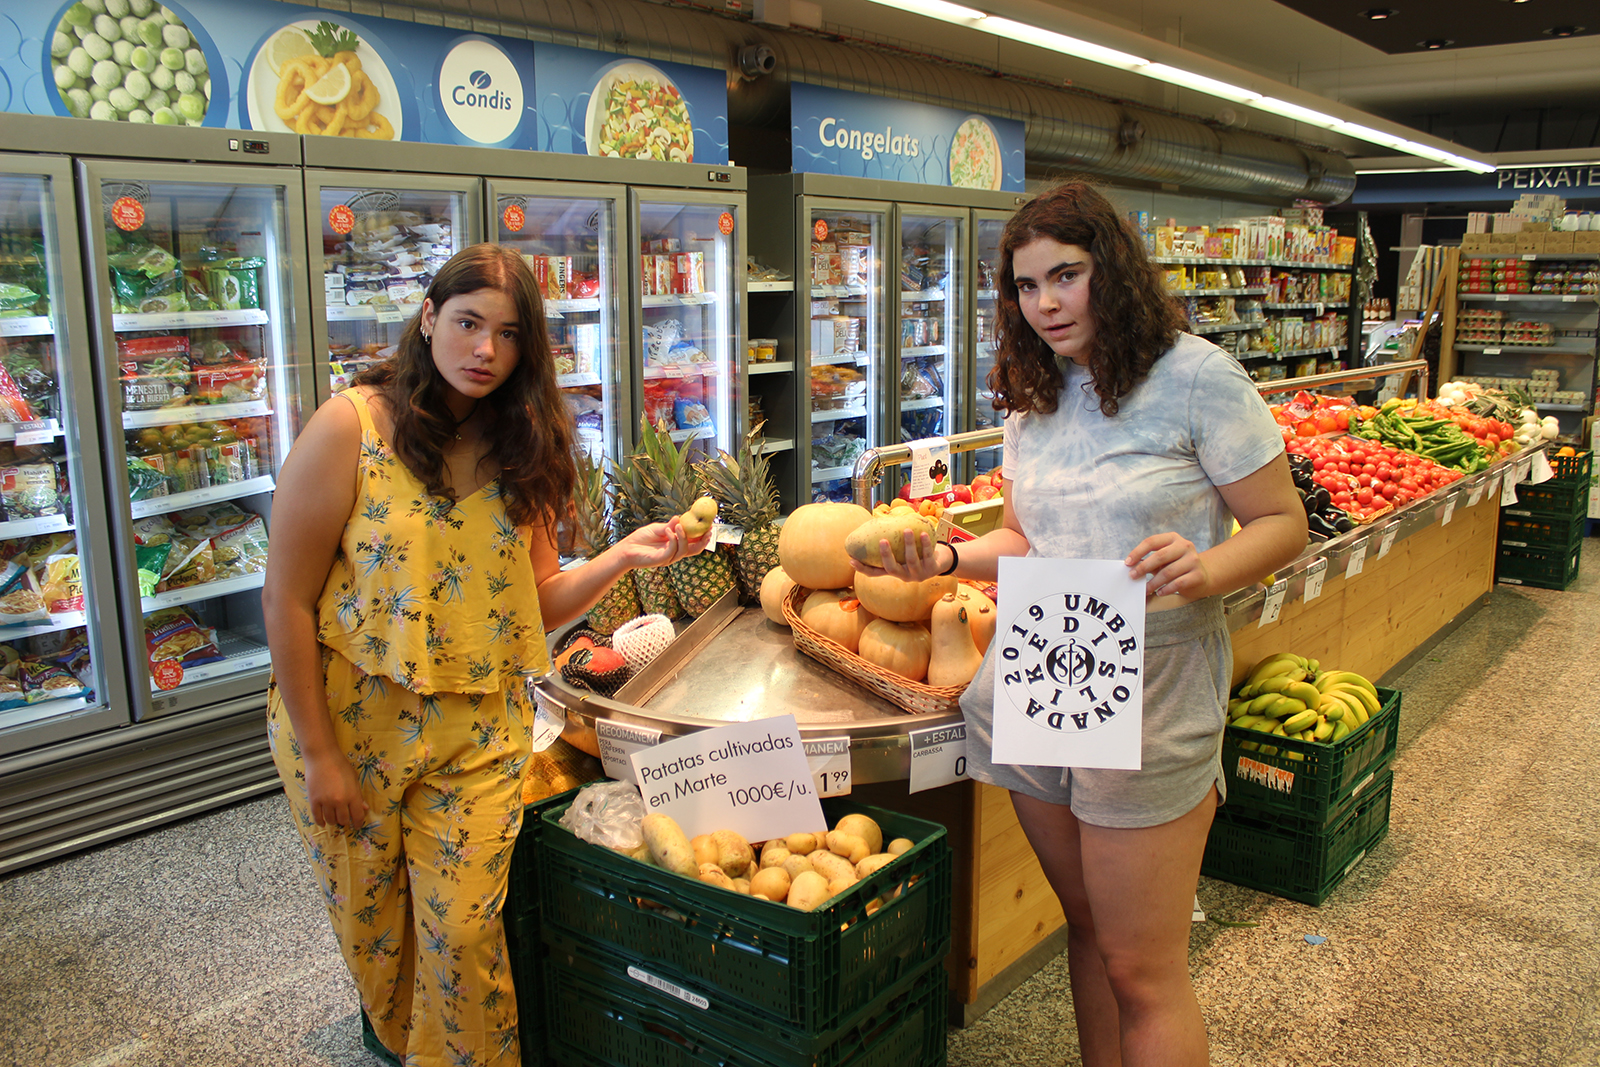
x=900 y=846
x=872 y=863
x=849 y=846
x=712 y=874
x=642 y=854
x=795 y=866
x=864 y=827
x=801 y=844
x=807 y=891
x=669 y=848
x=734 y=854
x=742 y=885
x=705 y=849
x=831 y=866
x=773 y=857
x=772 y=883
x=839 y=885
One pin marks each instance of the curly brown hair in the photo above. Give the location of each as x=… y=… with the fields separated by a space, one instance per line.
x=1136 y=319
x=529 y=428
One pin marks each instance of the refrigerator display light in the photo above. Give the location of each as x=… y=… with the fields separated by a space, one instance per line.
x=46 y=524
x=27 y=326
x=244 y=409
x=917 y=405
x=190 y=594
x=187 y=320
x=192 y=498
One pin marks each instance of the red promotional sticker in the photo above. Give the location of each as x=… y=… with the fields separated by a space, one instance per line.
x=341 y=219
x=127 y=213
x=725 y=223
x=168 y=674
x=514 y=218
x=819 y=229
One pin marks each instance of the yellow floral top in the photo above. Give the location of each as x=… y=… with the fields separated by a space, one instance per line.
x=438 y=595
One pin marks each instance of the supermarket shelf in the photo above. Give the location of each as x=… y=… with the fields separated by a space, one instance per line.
x=49 y=709
x=839 y=290
x=1305 y=305
x=831 y=474
x=1531 y=298
x=770 y=287
x=988 y=294
x=1259 y=291
x=920 y=405
x=591 y=303
x=694 y=433
x=777 y=444
x=1525 y=350
x=678 y=300
x=1287 y=353
x=1204 y=261
x=243 y=654
x=918 y=297
x=1226 y=327
x=65 y=620
x=205 y=591
x=848 y=357
x=772 y=367
x=27 y=326
x=192 y=498
x=45 y=524
x=10 y=431
x=575 y=380
x=373 y=312
x=1538 y=406
x=914 y=351
x=188 y=320
x=1530 y=256
x=680 y=370
x=246 y=409
x=836 y=414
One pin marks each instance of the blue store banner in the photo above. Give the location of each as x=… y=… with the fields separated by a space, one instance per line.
x=833 y=131
x=264 y=65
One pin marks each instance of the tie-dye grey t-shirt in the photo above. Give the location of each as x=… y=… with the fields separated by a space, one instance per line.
x=1088 y=487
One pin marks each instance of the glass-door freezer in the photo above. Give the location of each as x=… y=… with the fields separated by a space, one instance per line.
x=931 y=337
x=568 y=233
x=203 y=352
x=375 y=242
x=60 y=670
x=987 y=227
x=690 y=252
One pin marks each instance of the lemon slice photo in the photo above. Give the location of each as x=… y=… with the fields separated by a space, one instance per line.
x=288 y=43
x=332 y=87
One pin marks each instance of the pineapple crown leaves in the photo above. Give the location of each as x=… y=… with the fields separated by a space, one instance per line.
x=742 y=486
x=591 y=505
x=330 y=38
x=664 y=472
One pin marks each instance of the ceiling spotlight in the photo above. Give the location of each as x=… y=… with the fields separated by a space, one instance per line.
x=1564 y=31
x=1433 y=43
x=1377 y=13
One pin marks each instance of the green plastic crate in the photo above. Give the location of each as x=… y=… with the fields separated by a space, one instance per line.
x=599 y=1024
x=1308 y=779
x=1294 y=858
x=1550 y=500
x=805 y=969
x=1577 y=468
x=1544 y=568
x=1547 y=534
x=521 y=915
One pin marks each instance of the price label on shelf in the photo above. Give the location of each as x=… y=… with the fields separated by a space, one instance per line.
x=1449 y=509
x=1540 y=470
x=1476 y=494
x=829 y=758
x=1508 y=489
x=548 y=722
x=1316 y=574
x=1387 y=542
x=36 y=432
x=389 y=315
x=1272 y=607
x=938 y=756
x=1491 y=488
x=1358 y=559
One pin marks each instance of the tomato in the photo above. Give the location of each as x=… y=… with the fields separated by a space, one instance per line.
x=1344 y=468
x=1369 y=468
x=1409 y=484
x=1492 y=440
x=1319 y=463
x=1341 y=498
x=1364 y=496
x=1389 y=490
x=1363 y=480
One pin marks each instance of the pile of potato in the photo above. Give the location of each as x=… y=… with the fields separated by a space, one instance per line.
x=802 y=870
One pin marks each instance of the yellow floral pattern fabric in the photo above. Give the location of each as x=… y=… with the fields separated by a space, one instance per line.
x=438 y=595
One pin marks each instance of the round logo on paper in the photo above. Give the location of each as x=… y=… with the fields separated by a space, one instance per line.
x=480 y=91
x=127 y=213
x=168 y=674
x=1069 y=663
x=819 y=229
x=514 y=218
x=341 y=219
x=725 y=223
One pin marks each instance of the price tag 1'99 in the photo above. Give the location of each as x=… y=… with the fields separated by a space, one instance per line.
x=829 y=758
x=938 y=756
x=1272 y=607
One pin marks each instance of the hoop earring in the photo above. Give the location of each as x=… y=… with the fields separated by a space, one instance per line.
x=427 y=339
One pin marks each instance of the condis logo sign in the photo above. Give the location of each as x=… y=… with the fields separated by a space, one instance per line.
x=480 y=91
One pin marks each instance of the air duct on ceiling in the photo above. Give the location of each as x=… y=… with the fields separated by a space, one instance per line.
x=1066 y=132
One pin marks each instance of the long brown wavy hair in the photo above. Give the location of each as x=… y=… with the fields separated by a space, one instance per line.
x=1136 y=319
x=529 y=429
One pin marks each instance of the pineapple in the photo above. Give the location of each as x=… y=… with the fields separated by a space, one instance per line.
x=702 y=579
x=592 y=517
x=746 y=497
x=632 y=482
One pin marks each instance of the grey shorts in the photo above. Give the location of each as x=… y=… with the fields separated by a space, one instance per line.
x=1188 y=664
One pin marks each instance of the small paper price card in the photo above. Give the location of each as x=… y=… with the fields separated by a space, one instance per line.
x=1316 y=574
x=1358 y=559
x=938 y=756
x=1387 y=542
x=1272 y=607
x=548 y=722
x=1491 y=488
x=618 y=743
x=1476 y=494
x=930 y=466
x=36 y=432
x=390 y=315
x=1449 y=509
x=1508 y=489
x=829 y=759
x=748 y=777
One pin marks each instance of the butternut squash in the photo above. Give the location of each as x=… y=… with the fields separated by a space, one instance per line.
x=836 y=615
x=902 y=648
x=955 y=656
x=981 y=613
x=888 y=597
x=811 y=544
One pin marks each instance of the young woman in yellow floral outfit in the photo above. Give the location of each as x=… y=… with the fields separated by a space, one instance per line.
x=412 y=576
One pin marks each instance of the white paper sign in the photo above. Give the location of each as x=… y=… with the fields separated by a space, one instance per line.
x=930 y=466
x=1449 y=509
x=1540 y=471
x=1491 y=488
x=36 y=432
x=1358 y=559
x=1069 y=663
x=548 y=722
x=618 y=743
x=749 y=777
x=1508 y=489
x=938 y=756
x=829 y=760
x=1525 y=467
x=1272 y=607
x=1387 y=542
x=1316 y=574
x=1476 y=494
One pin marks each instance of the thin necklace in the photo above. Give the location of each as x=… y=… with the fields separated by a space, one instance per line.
x=463 y=420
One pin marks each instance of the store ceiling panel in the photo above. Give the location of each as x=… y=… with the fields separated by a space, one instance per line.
x=1413 y=26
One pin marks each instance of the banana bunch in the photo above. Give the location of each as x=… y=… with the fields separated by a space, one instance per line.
x=1291 y=696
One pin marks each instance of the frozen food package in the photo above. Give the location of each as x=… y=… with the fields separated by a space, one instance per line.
x=29 y=491
x=172 y=634
x=192 y=561
x=146 y=478
x=241 y=549
x=14 y=407
x=47 y=681
x=150 y=560
x=62 y=583
x=20 y=600
x=30 y=365
x=690 y=414
x=11 y=692
x=155 y=371
x=231 y=384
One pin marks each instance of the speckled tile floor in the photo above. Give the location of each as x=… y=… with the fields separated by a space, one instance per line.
x=1467 y=937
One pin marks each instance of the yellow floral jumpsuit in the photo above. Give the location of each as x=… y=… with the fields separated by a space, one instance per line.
x=430 y=625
